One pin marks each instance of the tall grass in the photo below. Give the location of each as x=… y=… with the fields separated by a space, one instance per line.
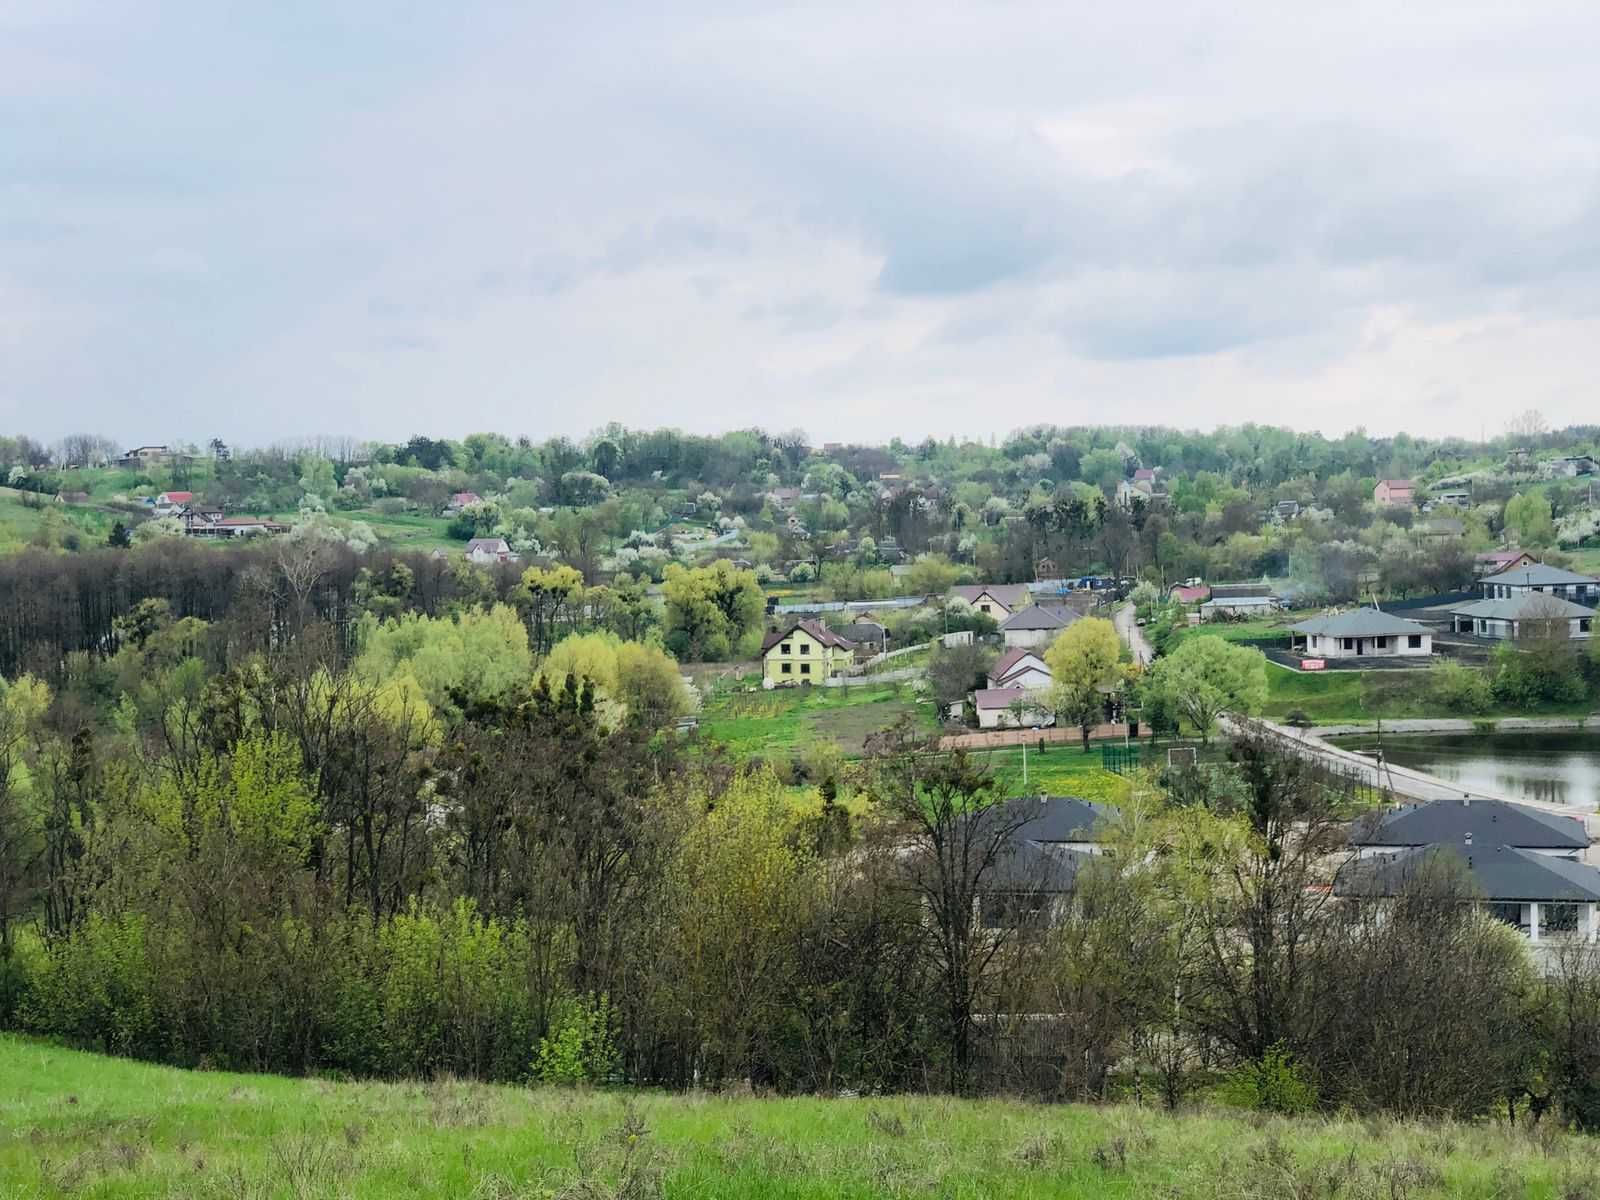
x=76 y=1124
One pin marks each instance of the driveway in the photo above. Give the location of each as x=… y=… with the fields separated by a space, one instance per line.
x=1127 y=625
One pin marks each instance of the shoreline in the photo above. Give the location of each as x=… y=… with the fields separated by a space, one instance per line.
x=1426 y=725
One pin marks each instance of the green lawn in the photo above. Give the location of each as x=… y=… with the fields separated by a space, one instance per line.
x=785 y=720
x=78 y=1125
x=1061 y=770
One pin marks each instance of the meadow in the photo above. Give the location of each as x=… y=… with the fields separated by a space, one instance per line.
x=76 y=1124
x=751 y=721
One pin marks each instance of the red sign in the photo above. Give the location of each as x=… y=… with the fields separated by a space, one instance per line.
x=1313 y=664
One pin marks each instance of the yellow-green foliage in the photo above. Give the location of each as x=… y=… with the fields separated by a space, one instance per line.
x=481 y=652
x=641 y=679
x=256 y=804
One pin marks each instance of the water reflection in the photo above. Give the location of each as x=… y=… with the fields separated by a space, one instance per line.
x=1558 y=768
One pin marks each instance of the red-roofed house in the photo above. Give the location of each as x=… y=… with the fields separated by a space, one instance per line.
x=168 y=503
x=461 y=499
x=806 y=651
x=1394 y=493
x=1020 y=667
x=1492 y=562
x=1190 y=594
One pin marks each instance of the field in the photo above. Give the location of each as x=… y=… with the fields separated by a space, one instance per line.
x=1061 y=770
x=784 y=720
x=75 y=1124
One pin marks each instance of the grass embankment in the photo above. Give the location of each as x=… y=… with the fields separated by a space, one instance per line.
x=1353 y=697
x=76 y=1124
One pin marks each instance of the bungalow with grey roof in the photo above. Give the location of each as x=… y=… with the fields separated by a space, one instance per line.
x=1036 y=625
x=1521 y=613
x=1359 y=633
x=1541 y=578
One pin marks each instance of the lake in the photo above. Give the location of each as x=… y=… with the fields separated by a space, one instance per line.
x=1558 y=768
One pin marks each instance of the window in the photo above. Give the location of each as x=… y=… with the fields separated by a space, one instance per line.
x=1347 y=643
x=1584 y=624
x=1381 y=643
x=787 y=647
x=805 y=668
x=983 y=608
x=788 y=668
x=1413 y=641
x=805 y=647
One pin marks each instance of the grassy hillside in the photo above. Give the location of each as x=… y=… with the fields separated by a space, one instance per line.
x=78 y=1125
x=785 y=720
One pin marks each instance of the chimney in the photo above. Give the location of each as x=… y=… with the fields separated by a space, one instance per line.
x=1469 y=837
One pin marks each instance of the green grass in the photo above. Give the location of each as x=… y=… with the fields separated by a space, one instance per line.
x=1060 y=770
x=74 y=1124
x=786 y=720
x=1349 y=697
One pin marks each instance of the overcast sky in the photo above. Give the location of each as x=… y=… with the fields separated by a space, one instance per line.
x=378 y=217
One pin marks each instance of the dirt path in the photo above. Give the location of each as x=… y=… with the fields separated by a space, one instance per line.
x=1127 y=622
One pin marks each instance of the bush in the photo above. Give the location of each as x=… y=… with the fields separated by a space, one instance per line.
x=580 y=1047
x=1275 y=1084
x=96 y=989
x=1459 y=689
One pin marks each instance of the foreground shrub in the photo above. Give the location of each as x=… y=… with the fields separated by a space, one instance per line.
x=1275 y=1084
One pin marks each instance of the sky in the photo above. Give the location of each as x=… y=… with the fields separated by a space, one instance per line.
x=375 y=218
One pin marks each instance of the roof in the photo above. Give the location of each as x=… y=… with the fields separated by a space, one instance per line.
x=1233 y=590
x=993 y=698
x=1008 y=661
x=1394 y=484
x=1012 y=595
x=1443 y=526
x=1188 y=595
x=493 y=545
x=1359 y=622
x=1499 y=873
x=1487 y=822
x=1058 y=818
x=1538 y=575
x=863 y=631
x=1040 y=616
x=1501 y=556
x=1524 y=606
x=176 y=497
x=465 y=498
x=1023 y=865
x=815 y=629
x=1144 y=473
x=1240 y=602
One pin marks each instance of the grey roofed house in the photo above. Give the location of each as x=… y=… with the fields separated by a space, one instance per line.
x=1498 y=873
x=1538 y=575
x=869 y=633
x=1027 y=866
x=1470 y=822
x=1040 y=616
x=1057 y=818
x=1359 y=622
x=1525 y=606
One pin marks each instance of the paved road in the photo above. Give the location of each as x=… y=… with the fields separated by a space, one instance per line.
x=1127 y=625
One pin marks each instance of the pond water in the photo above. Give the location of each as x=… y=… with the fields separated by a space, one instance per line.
x=1557 y=768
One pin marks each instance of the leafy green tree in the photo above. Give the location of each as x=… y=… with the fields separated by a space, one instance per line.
x=1207 y=676
x=478 y=655
x=712 y=612
x=1529 y=519
x=1083 y=661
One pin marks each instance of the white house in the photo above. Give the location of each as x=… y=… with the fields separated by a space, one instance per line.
x=489 y=550
x=1509 y=618
x=1020 y=667
x=998 y=600
x=1036 y=625
x=1541 y=578
x=996 y=708
x=1360 y=633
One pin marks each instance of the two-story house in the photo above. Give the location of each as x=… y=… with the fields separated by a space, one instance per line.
x=806 y=651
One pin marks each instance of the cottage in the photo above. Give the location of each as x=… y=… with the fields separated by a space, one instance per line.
x=1189 y=593
x=1438 y=528
x=461 y=500
x=1535 y=893
x=1036 y=625
x=1360 y=633
x=1569 y=468
x=1455 y=497
x=145 y=456
x=1469 y=822
x=869 y=637
x=998 y=600
x=1394 y=493
x=168 y=503
x=489 y=550
x=210 y=523
x=806 y=651
x=1238 y=606
x=1541 y=578
x=1285 y=510
x=1011 y=708
x=1520 y=614
x=1019 y=667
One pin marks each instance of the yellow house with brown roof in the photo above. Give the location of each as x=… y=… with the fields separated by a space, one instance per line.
x=805 y=652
